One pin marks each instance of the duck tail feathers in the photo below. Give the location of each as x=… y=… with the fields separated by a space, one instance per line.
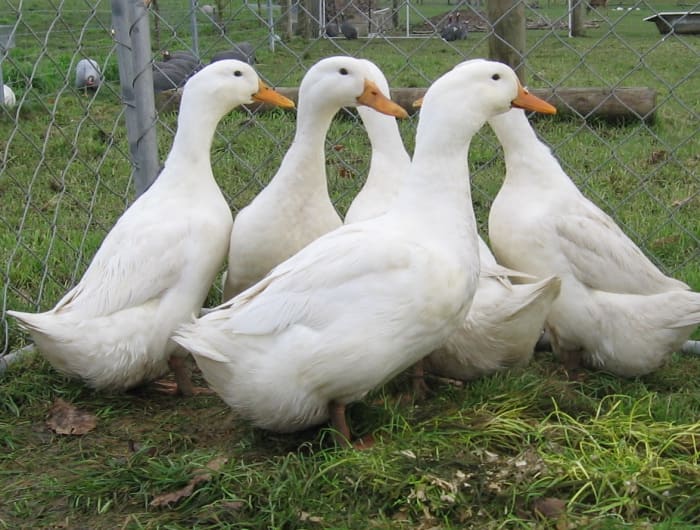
x=189 y=336
x=691 y=317
x=32 y=322
x=543 y=292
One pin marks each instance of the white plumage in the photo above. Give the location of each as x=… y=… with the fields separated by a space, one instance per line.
x=294 y=208
x=363 y=302
x=9 y=99
x=155 y=267
x=389 y=160
x=505 y=320
x=502 y=326
x=616 y=310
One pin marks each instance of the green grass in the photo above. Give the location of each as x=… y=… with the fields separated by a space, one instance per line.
x=619 y=453
x=476 y=457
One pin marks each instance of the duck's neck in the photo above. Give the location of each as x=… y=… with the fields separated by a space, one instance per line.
x=528 y=160
x=388 y=151
x=436 y=189
x=305 y=161
x=195 y=133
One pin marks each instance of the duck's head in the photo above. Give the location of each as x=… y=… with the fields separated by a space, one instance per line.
x=348 y=82
x=226 y=84
x=487 y=87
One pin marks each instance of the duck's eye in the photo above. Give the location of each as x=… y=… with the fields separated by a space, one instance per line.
x=238 y=73
x=495 y=77
x=343 y=71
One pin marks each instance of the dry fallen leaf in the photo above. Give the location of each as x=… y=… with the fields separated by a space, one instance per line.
x=549 y=507
x=366 y=442
x=233 y=505
x=172 y=497
x=682 y=202
x=305 y=516
x=64 y=418
x=667 y=240
x=658 y=156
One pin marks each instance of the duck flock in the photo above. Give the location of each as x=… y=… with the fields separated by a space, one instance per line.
x=321 y=310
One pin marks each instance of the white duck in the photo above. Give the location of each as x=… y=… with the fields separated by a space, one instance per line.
x=9 y=99
x=502 y=326
x=389 y=161
x=362 y=303
x=616 y=310
x=155 y=267
x=505 y=320
x=294 y=208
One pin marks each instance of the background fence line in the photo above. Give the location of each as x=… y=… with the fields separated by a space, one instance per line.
x=74 y=159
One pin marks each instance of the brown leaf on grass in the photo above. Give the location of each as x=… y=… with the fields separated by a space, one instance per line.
x=64 y=418
x=682 y=202
x=549 y=507
x=658 y=156
x=201 y=476
x=366 y=442
x=233 y=505
x=305 y=516
x=135 y=447
x=664 y=241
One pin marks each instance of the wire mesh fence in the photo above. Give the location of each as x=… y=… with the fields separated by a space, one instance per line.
x=70 y=167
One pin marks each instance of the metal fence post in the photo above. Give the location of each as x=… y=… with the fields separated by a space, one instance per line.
x=132 y=35
x=193 y=27
x=7 y=41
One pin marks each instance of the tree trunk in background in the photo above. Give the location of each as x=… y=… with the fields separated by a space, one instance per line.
x=307 y=19
x=576 y=18
x=288 y=22
x=507 y=42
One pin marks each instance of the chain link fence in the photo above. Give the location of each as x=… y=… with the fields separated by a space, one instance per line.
x=73 y=158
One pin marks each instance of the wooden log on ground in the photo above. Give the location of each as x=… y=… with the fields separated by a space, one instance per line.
x=609 y=104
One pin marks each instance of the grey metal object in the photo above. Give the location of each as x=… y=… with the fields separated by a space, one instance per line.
x=691 y=347
x=132 y=35
x=13 y=357
x=193 y=27
x=7 y=42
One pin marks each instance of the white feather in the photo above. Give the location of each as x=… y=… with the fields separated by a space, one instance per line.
x=155 y=267
x=294 y=208
x=616 y=309
x=367 y=300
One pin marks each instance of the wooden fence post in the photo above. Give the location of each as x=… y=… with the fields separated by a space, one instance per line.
x=507 y=42
x=576 y=18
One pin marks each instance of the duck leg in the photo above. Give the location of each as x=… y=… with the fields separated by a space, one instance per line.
x=339 y=423
x=420 y=387
x=182 y=386
x=572 y=359
x=183 y=376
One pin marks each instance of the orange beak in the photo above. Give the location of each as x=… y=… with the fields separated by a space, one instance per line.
x=527 y=101
x=373 y=97
x=267 y=95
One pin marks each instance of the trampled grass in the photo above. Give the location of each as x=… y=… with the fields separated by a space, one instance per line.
x=527 y=449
